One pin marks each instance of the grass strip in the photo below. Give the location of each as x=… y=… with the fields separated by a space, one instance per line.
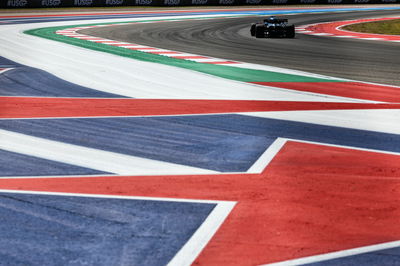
x=388 y=27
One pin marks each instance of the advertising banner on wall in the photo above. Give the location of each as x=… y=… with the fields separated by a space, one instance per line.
x=114 y=3
x=62 y=3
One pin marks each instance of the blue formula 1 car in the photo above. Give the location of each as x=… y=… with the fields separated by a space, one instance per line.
x=273 y=27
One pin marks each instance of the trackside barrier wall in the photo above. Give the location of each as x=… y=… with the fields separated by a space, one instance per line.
x=105 y=3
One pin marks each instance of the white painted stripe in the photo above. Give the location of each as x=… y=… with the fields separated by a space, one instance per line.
x=93 y=40
x=65 y=32
x=108 y=41
x=264 y=160
x=149 y=50
x=124 y=43
x=232 y=63
x=2 y=70
x=204 y=60
x=89 y=38
x=283 y=70
x=380 y=120
x=84 y=37
x=372 y=39
x=90 y=158
x=336 y=255
x=174 y=20
x=116 y=43
x=134 y=46
x=322 y=34
x=168 y=54
x=203 y=235
x=87 y=27
x=344 y=36
x=107 y=196
x=73 y=35
x=162 y=50
x=179 y=54
x=55 y=176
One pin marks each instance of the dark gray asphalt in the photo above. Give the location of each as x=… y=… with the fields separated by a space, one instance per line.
x=370 y=61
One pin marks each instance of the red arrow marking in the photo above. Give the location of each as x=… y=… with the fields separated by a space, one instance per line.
x=311 y=199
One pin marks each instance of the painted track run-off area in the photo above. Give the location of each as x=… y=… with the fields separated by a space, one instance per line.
x=174 y=137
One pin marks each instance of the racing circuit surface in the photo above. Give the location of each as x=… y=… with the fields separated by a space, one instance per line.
x=230 y=39
x=260 y=152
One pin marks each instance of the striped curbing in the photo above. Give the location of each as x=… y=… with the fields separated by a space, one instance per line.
x=335 y=29
x=73 y=33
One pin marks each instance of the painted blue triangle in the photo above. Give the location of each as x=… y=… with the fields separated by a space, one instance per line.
x=66 y=230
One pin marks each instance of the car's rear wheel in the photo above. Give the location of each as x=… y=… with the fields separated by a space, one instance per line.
x=259 y=31
x=290 y=32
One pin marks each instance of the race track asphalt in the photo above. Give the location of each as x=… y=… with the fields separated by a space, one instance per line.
x=371 y=61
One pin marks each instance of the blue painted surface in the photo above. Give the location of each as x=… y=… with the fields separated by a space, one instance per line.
x=153 y=138
x=219 y=12
x=274 y=128
x=63 y=230
x=386 y=257
x=15 y=164
x=28 y=81
x=227 y=143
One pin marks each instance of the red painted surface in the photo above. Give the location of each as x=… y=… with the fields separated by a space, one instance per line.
x=311 y=199
x=189 y=56
x=166 y=52
x=334 y=28
x=31 y=107
x=357 y=90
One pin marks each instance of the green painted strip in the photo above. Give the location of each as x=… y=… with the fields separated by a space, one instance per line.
x=228 y=72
